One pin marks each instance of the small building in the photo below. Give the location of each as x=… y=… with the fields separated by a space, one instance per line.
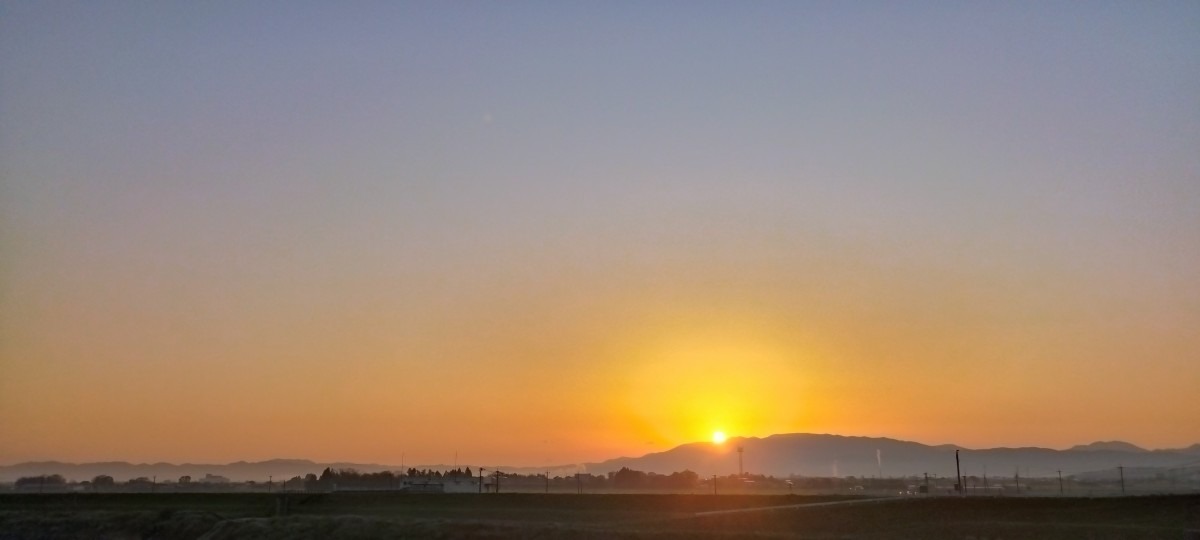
x=423 y=487
x=214 y=479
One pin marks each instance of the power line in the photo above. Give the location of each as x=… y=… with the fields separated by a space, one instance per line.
x=958 y=467
x=741 y=474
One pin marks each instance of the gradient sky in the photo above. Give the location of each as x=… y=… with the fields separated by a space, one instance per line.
x=536 y=233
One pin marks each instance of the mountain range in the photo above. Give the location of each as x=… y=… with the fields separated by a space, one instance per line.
x=808 y=454
x=801 y=454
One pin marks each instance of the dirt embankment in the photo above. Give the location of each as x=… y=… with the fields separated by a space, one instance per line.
x=106 y=525
x=182 y=525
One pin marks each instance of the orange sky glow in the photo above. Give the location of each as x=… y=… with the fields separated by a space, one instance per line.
x=554 y=234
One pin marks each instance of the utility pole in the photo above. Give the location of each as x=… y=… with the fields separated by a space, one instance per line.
x=741 y=474
x=498 y=480
x=958 y=468
x=269 y=480
x=547 y=481
x=154 y=484
x=481 y=469
x=1060 y=487
x=1017 y=476
x=578 y=484
x=1121 y=469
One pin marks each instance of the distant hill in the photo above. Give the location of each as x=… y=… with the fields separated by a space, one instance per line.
x=827 y=455
x=241 y=471
x=805 y=454
x=1110 y=446
x=238 y=471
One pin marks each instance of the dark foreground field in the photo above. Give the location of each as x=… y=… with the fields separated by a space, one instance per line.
x=394 y=515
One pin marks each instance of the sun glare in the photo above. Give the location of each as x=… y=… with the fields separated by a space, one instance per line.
x=686 y=387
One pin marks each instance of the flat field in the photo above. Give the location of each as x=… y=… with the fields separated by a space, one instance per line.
x=625 y=516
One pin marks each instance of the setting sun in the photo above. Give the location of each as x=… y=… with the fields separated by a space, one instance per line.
x=700 y=373
x=718 y=437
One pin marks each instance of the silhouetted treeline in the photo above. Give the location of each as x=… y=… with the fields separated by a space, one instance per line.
x=627 y=478
x=460 y=480
x=350 y=479
x=43 y=480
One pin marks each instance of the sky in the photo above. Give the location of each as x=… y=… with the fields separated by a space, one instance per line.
x=533 y=233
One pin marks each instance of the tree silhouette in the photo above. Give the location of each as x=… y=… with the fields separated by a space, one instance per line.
x=53 y=480
x=103 y=481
